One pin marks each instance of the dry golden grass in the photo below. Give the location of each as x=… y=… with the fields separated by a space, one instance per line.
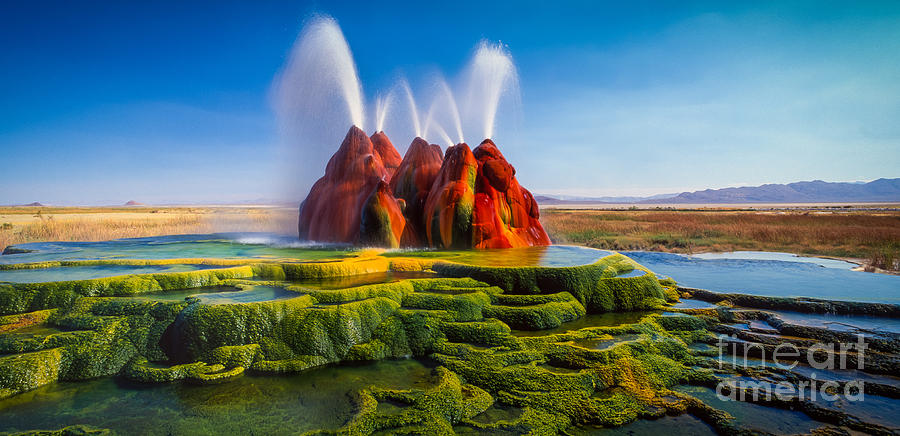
x=22 y=225
x=865 y=235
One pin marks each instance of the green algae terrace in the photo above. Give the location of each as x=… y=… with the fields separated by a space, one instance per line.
x=271 y=341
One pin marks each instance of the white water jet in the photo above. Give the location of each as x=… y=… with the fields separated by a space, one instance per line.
x=491 y=75
x=316 y=96
x=443 y=134
x=429 y=123
x=382 y=105
x=320 y=65
x=454 y=109
x=404 y=84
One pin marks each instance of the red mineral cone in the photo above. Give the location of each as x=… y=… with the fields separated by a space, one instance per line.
x=382 y=223
x=466 y=199
x=390 y=158
x=448 y=210
x=331 y=211
x=506 y=214
x=412 y=181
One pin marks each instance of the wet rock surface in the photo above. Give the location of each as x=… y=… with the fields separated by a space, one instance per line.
x=463 y=199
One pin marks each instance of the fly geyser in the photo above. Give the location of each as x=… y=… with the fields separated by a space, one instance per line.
x=369 y=195
x=462 y=199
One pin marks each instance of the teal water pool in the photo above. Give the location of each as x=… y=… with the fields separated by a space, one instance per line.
x=56 y=274
x=317 y=399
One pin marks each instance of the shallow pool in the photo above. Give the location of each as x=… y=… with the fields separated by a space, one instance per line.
x=550 y=256
x=218 y=246
x=221 y=295
x=772 y=255
x=610 y=319
x=769 y=419
x=773 y=278
x=271 y=246
x=315 y=399
x=39 y=275
x=832 y=321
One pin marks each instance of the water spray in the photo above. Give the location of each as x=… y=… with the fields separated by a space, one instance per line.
x=412 y=106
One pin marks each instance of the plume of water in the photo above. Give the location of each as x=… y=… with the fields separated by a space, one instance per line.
x=491 y=75
x=382 y=105
x=320 y=65
x=404 y=84
x=454 y=109
x=442 y=133
x=316 y=95
x=430 y=122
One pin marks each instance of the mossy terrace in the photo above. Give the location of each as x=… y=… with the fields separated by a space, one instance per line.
x=461 y=318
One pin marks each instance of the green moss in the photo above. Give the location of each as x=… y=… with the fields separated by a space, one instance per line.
x=218 y=375
x=27 y=297
x=462 y=322
x=24 y=372
x=491 y=332
x=594 y=286
x=428 y=411
x=464 y=307
x=12 y=322
x=394 y=291
x=201 y=328
x=237 y=355
x=143 y=371
x=536 y=312
x=337 y=268
x=681 y=322
x=297 y=364
x=72 y=430
x=127 y=262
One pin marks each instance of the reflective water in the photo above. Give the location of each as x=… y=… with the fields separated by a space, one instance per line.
x=681 y=425
x=687 y=303
x=602 y=344
x=552 y=256
x=271 y=246
x=219 y=246
x=769 y=255
x=56 y=274
x=221 y=295
x=772 y=278
x=770 y=419
x=318 y=398
x=362 y=279
x=839 y=322
x=611 y=319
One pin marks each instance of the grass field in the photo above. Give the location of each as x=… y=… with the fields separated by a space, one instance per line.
x=872 y=236
x=34 y=224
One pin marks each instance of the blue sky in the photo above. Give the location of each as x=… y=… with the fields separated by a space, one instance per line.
x=105 y=102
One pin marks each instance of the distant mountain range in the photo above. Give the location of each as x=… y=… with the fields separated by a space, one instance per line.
x=816 y=191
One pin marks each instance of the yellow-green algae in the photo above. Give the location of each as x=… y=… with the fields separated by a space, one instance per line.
x=462 y=321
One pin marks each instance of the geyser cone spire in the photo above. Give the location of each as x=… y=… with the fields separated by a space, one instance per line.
x=506 y=214
x=412 y=182
x=448 y=210
x=389 y=155
x=332 y=210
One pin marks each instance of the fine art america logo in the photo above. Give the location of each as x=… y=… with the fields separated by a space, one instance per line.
x=820 y=356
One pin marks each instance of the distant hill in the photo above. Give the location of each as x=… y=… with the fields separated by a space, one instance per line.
x=35 y=204
x=816 y=191
x=133 y=203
